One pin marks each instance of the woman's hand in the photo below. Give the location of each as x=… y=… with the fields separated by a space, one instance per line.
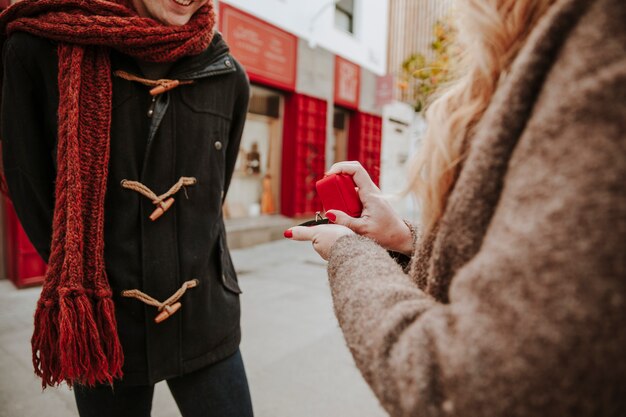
x=323 y=236
x=378 y=221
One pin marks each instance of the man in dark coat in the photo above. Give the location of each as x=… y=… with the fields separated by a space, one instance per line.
x=157 y=247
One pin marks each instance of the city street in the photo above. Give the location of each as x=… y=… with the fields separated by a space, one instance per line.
x=142 y=139
x=296 y=358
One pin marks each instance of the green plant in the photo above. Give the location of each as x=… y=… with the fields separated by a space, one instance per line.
x=422 y=77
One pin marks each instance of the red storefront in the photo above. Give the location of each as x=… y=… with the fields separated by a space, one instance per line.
x=365 y=130
x=270 y=56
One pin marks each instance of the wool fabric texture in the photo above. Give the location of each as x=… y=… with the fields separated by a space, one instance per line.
x=75 y=338
x=515 y=305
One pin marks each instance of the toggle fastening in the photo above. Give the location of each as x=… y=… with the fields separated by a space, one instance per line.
x=163 y=201
x=168 y=307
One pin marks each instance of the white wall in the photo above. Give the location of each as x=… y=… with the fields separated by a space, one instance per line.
x=314 y=21
x=316 y=72
x=398 y=147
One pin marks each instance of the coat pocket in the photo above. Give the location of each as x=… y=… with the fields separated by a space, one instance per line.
x=228 y=274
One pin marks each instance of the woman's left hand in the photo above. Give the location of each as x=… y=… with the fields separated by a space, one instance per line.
x=323 y=236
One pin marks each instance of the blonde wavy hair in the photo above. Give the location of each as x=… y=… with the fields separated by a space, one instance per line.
x=490 y=34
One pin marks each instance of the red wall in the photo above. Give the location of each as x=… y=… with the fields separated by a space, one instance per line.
x=24 y=266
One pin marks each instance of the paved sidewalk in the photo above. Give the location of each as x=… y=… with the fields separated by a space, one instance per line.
x=297 y=362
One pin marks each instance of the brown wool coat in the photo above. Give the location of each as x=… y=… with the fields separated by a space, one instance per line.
x=517 y=307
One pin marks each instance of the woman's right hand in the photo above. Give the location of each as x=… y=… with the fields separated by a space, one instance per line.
x=378 y=220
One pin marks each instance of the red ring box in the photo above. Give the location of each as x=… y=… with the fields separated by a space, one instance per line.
x=338 y=192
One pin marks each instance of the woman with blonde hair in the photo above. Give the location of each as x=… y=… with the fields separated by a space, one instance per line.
x=514 y=301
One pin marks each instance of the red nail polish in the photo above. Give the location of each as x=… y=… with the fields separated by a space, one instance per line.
x=331 y=217
x=288 y=234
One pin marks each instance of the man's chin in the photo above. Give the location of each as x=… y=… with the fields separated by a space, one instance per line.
x=174 y=20
x=180 y=22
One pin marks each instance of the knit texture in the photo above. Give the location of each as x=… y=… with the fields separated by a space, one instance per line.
x=516 y=305
x=75 y=338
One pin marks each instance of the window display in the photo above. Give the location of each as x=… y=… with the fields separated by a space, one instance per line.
x=257 y=172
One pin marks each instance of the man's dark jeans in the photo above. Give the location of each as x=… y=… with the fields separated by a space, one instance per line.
x=219 y=390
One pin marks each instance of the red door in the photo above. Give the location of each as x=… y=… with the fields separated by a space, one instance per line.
x=304 y=148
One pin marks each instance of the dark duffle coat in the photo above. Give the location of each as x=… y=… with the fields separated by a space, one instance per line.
x=194 y=131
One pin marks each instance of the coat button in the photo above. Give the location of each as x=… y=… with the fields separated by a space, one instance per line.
x=218 y=145
x=228 y=63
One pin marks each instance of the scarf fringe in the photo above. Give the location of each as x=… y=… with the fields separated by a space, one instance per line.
x=75 y=342
x=45 y=345
x=108 y=330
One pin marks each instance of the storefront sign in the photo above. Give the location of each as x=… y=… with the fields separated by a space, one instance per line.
x=347 y=83
x=269 y=54
x=384 y=90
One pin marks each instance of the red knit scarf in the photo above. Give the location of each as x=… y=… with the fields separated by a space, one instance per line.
x=75 y=338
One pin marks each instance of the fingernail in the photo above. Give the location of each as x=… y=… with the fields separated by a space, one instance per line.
x=288 y=234
x=331 y=217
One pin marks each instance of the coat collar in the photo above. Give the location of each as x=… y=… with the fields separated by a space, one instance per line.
x=214 y=60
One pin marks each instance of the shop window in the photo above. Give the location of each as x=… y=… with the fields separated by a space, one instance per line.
x=255 y=186
x=344 y=15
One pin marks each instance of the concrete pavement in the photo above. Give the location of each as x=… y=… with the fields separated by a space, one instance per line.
x=295 y=356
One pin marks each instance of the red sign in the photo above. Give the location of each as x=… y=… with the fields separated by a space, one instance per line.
x=269 y=54
x=347 y=83
x=384 y=90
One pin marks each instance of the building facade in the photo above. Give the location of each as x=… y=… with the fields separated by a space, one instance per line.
x=315 y=70
x=411 y=25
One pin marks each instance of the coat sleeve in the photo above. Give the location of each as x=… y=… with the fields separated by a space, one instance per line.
x=535 y=320
x=27 y=145
x=406 y=261
x=240 y=112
